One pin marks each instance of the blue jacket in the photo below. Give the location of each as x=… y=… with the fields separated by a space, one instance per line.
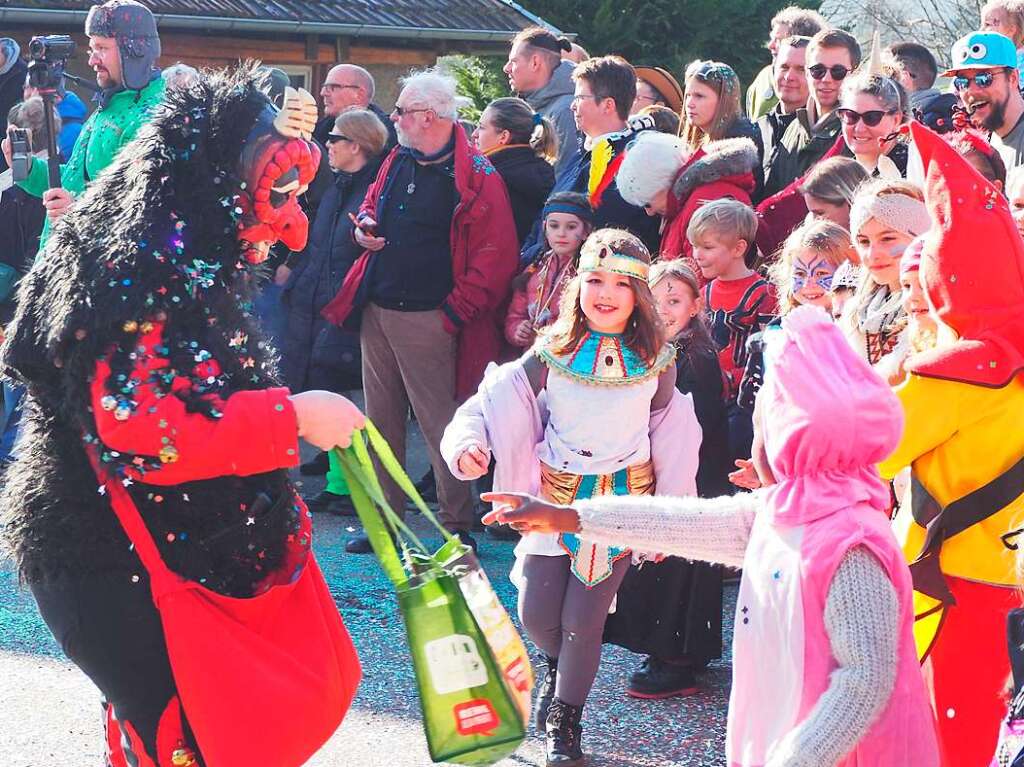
x=72 y=111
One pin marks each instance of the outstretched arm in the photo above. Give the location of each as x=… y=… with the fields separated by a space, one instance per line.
x=712 y=530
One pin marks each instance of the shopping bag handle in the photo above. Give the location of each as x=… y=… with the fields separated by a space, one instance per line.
x=386 y=527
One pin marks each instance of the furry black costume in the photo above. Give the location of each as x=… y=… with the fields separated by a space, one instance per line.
x=142 y=291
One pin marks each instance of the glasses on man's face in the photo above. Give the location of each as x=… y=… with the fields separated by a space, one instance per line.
x=340 y=87
x=838 y=71
x=982 y=80
x=580 y=96
x=334 y=138
x=871 y=118
x=401 y=111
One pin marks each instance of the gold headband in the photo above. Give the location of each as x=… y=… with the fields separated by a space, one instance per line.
x=604 y=260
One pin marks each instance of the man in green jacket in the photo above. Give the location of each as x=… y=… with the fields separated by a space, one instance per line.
x=123 y=50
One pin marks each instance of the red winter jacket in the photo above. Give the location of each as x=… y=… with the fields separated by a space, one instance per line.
x=783 y=212
x=484 y=260
x=718 y=169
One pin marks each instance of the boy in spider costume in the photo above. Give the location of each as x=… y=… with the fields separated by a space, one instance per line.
x=134 y=346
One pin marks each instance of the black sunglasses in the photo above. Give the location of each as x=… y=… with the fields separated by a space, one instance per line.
x=838 y=71
x=333 y=138
x=982 y=80
x=870 y=118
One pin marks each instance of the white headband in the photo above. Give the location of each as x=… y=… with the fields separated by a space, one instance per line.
x=897 y=211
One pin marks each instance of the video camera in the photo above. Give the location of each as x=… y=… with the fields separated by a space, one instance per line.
x=49 y=55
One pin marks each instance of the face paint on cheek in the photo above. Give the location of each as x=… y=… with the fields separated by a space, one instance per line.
x=896 y=251
x=824 y=282
x=797 y=283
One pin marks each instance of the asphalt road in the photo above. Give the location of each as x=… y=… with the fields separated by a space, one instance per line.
x=50 y=714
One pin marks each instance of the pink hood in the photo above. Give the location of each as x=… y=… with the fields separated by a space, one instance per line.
x=827 y=419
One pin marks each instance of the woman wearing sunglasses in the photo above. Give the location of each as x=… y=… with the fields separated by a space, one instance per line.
x=872 y=108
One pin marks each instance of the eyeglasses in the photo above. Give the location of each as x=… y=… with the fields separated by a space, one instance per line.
x=333 y=138
x=580 y=96
x=982 y=80
x=339 y=86
x=407 y=111
x=870 y=118
x=838 y=71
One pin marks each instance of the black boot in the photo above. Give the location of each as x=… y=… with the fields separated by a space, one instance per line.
x=564 y=734
x=657 y=680
x=545 y=692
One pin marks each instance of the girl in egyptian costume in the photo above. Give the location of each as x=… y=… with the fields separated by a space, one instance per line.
x=591 y=410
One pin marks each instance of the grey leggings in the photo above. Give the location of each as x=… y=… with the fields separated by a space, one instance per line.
x=565 y=619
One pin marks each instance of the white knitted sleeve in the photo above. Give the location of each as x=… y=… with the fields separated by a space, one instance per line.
x=708 y=529
x=862 y=621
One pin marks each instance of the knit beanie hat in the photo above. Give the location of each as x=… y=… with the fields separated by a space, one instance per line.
x=133 y=26
x=972 y=269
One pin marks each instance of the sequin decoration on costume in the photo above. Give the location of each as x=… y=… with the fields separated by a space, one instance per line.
x=593 y=562
x=603 y=359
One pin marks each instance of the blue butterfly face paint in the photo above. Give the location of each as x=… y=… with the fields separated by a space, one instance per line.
x=811 y=280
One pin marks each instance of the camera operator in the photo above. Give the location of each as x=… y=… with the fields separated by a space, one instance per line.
x=123 y=52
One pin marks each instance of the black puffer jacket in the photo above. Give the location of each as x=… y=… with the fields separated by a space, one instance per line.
x=528 y=178
x=319 y=271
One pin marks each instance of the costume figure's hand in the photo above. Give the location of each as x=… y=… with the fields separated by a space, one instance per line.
x=474 y=461
x=326 y=420
x=524 y=333
x=745 y=476
x=529 y=514
x=56 y=201
x=364 y=236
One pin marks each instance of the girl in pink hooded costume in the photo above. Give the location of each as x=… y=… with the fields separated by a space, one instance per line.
x=824 y=667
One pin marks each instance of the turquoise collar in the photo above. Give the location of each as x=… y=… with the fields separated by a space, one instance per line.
x=603 y=359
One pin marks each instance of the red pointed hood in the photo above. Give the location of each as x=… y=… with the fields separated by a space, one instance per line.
x=972 y=268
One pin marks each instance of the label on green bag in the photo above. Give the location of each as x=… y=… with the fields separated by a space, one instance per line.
x=455 y=664
x=476 y=717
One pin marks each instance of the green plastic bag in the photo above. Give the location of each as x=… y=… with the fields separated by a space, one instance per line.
x=472 y=668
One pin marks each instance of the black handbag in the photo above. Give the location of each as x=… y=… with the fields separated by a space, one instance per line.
x=336 y=361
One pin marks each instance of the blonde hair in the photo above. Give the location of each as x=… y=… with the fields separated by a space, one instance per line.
x=725 y=216
x=364 y=128
x=824 y=238
x=1015 y=12
x=834 y=180
x=675 y=269
x=723 y=81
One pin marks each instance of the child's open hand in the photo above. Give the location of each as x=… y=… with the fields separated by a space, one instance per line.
x=474 y=461
x=745 y=476
x=528 y=514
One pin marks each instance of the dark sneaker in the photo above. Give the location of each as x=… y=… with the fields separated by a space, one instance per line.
x=331 y=503
x=657 y=680
x=466 y=538
x=316 y=467
x=427 y=487
x=359 y=545
x=503 y=533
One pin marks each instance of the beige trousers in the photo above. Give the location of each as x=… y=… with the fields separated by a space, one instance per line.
x=409 y=359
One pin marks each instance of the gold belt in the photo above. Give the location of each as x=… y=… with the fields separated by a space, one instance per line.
x=563 y=487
